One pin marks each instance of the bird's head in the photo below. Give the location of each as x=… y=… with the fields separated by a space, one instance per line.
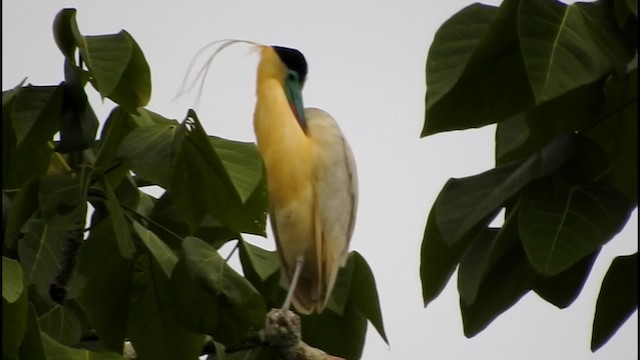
x=289 y=67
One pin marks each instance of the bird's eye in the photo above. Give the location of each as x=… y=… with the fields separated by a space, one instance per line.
x=293 y=76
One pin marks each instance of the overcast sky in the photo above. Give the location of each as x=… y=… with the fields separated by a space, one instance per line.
x=366 y=67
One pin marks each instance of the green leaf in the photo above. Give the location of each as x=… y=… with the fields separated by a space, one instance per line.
x=498 y=292
x=164 y=256
x=31 y=347
x=617 y=132
x=200 y=184
x=512 y=140
x=486 y=66
x=63 y=200
x=117 y=126
x=41 y=253
x=438 y=260
x=558 y=231
x=121 y=226
x=364 y=293
x=242 y=162
x=108 y=284
x=24 y=206
x=452 y=47
x=337 y=335
x=120 y=71
x=57 y=351
x=62 y=31
x=464 y=204
x=14 y=310
x=264 y=263
x=35 y=114
x=12 y=280
x=566 y=46
x=211 y=297
x=147 y=151
x=618 y=299
x=62 y=324
x=153 y=329
x=483 y=253
x=562 y=289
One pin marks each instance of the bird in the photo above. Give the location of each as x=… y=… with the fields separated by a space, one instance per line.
x=312 y=183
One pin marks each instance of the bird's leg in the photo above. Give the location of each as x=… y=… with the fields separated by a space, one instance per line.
x=294 y=282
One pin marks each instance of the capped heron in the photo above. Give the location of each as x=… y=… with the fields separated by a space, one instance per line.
x=311 y=180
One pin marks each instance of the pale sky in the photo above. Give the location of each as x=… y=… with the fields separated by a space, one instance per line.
x=366 y=67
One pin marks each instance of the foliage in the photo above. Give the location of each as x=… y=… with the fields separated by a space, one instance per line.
x=145 y=269
x=560 y=81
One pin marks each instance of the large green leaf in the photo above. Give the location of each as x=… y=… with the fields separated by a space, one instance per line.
x=153 y=329
x=484 y=66
x=62 y=324
x=566 y=46
x=147 y=151
x=35 y=114
x=617 y=132
x=618 y=299
x=438 y=260
x=562 y=289
x=210 y=297
x=57 y=351
x=242 y=162
x=483 y=253
x=121 y=227
x=14 y=308
x=364 y=293
x=108 y=284
x=498 y=292
x=164 y=256
x=23 y=206
x=116 y=63
x=14 y=157
x=464 y=204
x=200 y=184
x=40 y=252
x=558 y=231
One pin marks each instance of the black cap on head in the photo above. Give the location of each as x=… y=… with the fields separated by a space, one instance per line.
x=294 y=60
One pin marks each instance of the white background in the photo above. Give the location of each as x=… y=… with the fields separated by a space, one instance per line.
x=366 y=67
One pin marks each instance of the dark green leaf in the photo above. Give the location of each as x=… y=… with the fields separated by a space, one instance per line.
x=154 y=332
x=467 y=203
x=41 y=253
x=557 y=232
x=117 y=126
x=438 y=260
x=31 y=347
x=14 y=310
x=57 y=351
x=213 y=298
x=242 y=162
x=617 y=132
x=147 y=151
x=566 y=46
x=618 y=299
x=364 y=293
x=121 y=226
x=493 y=85
x=201 y=185
x=35 y=114
x=498 y=292
x=562 y=289
x=62 y=324
x=108 y=284
x=24 y=206
x=78 y=122
x=62 y=31
x=483 y=253
x=337 y=335
x=264 y=263
x=512 y=140
x=164 y=256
